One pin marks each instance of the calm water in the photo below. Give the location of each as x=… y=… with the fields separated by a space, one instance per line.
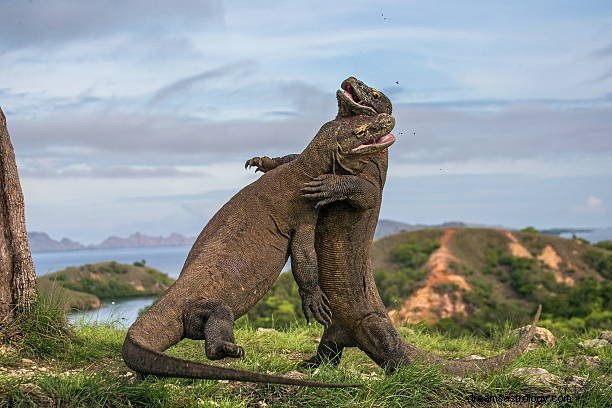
x=166 y=259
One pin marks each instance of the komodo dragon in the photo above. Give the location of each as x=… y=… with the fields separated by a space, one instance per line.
x=344 y=234
x=239 y=255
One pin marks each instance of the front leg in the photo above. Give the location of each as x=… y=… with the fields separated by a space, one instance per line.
x=265 y=163
x=306 y=274
x=328 y=188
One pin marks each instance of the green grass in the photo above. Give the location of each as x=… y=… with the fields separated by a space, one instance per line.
x=83 y=368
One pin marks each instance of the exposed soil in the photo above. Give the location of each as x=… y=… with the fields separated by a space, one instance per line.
x=428 y=304
x=551 y=258
x=516 y=249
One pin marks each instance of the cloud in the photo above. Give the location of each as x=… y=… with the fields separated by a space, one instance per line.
x=603 y=52
x=515 y=131
x=243 y=67
x=523 y=139
x=37 y=22
x=53 y=170
x=592 y=205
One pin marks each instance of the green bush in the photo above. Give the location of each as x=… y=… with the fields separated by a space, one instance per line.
x=397 y=286
x=600 y=261
x=414 y=255
x=280 y=307
x=607 y=245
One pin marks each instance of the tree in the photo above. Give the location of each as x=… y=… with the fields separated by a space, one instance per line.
x=17 y=277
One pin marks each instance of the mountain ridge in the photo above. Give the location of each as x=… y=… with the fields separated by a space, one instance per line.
x=42 y=242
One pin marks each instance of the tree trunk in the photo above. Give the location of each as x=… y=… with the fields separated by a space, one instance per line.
x=17 y=277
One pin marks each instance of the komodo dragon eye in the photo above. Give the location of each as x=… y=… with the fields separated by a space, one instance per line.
x=375 y=94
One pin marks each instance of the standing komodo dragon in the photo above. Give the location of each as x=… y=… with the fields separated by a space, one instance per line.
x=239 y=255
x=344 y=234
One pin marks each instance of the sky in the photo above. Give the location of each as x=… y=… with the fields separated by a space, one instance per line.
x=138 y=116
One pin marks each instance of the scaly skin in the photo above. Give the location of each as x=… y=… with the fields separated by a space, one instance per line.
x=345 y=229
x=239 y=255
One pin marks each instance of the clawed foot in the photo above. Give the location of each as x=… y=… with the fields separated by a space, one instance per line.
x=309 y=364
x=326 y=188
x=315 y=304
x=263 y=164
x=224 y=349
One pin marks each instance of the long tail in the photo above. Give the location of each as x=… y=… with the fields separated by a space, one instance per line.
x=148 y=361
x=484 y=366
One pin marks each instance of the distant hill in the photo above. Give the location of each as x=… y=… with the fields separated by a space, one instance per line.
x=466 y=277
x=140 y=240
x=390 y=227
x=42 y=242
x=84 y=287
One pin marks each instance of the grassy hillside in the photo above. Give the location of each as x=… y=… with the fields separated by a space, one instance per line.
x=477 y=278
x=49 y=364
x=81 y=286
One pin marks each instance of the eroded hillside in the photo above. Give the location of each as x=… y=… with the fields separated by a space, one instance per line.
x=472 y=277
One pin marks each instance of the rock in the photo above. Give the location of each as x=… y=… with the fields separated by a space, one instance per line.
x=265 y=330
x=6 y=350
x=27 y=361
x=606 y=335
x=472 y=357
x=467 y=382
x=574 y=383
x=538 y=377
x=594 y=343
x=294 y=374
x=542 y=336
x=583 y=361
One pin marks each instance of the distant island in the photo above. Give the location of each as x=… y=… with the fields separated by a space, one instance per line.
x=86 y=286
x=42 y=242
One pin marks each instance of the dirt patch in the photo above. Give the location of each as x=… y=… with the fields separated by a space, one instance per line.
x=515 y=247
x=551 y=258
x=428 y=304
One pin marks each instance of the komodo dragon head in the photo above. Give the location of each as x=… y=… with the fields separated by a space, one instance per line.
x=351 y=141
x=356 y=98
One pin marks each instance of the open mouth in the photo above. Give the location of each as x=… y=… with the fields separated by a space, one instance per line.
x=375 y=144
x=352 y=96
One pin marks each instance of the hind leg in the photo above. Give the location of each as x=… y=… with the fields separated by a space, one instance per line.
x=330 y=348
x=213 y=322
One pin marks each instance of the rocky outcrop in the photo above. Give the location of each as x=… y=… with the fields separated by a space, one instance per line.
x=542 y=337
x=594 y=343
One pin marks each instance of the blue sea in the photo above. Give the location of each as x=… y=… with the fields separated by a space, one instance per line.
x=169 y=260
x=166 y=259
